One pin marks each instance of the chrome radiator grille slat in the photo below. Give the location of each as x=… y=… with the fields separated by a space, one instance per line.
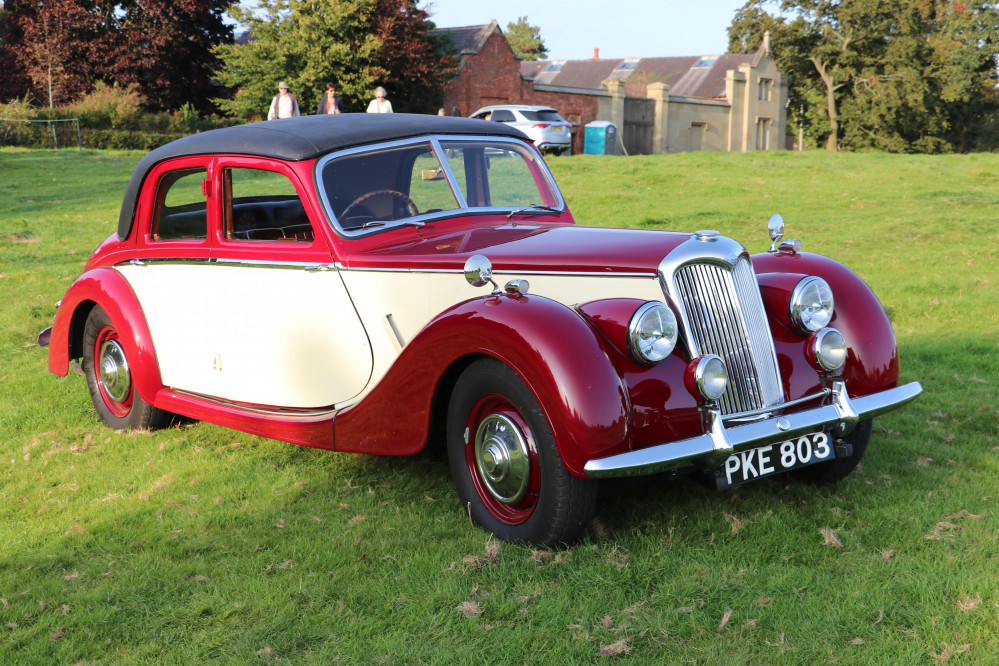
x=725 y=316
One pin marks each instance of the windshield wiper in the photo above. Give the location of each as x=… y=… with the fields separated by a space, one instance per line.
x=530 y=208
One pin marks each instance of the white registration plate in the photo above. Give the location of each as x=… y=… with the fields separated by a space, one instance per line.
x=753 y=464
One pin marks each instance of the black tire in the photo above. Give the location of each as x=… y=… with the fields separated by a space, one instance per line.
x=516 y=485
x=109 y=378
x=838 y=469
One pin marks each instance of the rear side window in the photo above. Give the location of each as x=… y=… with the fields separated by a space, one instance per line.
x=181 y=211
x=548 y=115
x=503 y=116
x=263 y=206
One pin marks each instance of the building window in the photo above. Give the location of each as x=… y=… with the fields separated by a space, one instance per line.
x=766 y=89
x=554 y=66
x=706 y=61
x=627 y=64
x=762 y=134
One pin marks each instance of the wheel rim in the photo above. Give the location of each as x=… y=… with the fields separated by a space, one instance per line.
x=502 y=459
x=114 y=378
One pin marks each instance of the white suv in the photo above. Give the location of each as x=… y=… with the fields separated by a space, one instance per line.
x=542 y=124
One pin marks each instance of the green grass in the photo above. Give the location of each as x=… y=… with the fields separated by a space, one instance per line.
x=198 y=543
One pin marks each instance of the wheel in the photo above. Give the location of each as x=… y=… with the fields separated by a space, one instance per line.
x=504 y=462
x=392 y=193
x=109 y=378
x=838 y=469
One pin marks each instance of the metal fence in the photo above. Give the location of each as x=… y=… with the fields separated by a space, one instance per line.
x=52 y=125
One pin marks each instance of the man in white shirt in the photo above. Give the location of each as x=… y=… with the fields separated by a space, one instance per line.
x=284 y=104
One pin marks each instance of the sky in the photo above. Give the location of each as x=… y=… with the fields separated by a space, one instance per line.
x=637 y=28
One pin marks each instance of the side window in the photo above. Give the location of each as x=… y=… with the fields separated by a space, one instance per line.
x=181 y=206
x=503 y=116
x=263 y=206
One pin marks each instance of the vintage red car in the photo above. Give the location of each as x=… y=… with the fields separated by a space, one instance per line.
x=308 y=280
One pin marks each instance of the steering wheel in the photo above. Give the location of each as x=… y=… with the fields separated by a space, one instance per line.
x=364 y=197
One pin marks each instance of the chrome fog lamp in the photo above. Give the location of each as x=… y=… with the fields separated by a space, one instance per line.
x=811 y=305
x=706 y=377
x=828 y=348
x=652 y=333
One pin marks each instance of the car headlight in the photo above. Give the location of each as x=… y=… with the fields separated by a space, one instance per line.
x=811 y=306
x=706 y=377
x=652 y=333
x=828 y=349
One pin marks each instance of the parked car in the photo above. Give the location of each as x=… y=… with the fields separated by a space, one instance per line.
x=542 y=124
x=308 y=280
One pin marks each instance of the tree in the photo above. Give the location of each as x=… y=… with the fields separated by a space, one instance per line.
x=60 y=42
x=356 y=44
x=525 y=40
x=166 y=48
x=884 y=74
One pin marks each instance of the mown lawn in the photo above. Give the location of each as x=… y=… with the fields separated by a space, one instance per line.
x=197 y=543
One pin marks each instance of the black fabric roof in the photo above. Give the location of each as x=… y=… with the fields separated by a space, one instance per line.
x=303 y=138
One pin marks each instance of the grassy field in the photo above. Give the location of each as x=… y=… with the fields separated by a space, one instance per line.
x=197 y=543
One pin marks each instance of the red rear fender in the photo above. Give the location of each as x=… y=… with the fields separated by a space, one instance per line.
x=106 y=288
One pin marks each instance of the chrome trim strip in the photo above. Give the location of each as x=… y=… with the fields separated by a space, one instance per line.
x=511 y=271
x=718 y=442
x=309 y=266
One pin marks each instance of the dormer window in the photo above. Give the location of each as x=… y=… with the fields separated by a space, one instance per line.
x=554 y=66
x=706 y=61
x=627 y=64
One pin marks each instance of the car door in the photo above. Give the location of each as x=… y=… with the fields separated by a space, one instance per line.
x=266 y=320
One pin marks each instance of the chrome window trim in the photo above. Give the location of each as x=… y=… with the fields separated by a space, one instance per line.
x=435 y=141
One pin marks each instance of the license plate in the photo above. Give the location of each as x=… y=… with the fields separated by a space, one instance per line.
x=753 y=464
x=558 y=128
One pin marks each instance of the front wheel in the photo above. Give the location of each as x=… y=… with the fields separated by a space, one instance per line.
x=109 y=378
x=504 y=462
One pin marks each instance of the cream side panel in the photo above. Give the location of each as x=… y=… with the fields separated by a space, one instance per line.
x=270 y=336
x=396 y=306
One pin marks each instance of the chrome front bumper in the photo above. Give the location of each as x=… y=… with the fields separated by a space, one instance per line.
x=840 y=417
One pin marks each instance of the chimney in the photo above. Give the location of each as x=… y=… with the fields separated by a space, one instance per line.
x=596 y=53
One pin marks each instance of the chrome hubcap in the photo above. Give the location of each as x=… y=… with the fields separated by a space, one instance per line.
x=114 y=372
x=502 y=458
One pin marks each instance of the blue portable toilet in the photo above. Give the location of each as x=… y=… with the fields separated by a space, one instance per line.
x=600 y=138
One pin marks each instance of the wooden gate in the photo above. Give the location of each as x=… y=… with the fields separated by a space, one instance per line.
x=639 y=125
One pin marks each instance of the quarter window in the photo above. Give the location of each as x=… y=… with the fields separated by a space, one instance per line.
x=181 y=211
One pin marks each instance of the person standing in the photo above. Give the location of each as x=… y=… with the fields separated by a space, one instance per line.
x=284 y=104
x=379 y=104
x=330 y=102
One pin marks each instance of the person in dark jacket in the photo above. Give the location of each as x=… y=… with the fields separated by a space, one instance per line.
x=330 y=102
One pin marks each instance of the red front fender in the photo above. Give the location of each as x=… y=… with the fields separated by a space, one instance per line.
x=107 y=288
x=557 y=354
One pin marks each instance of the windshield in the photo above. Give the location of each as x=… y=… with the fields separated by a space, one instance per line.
x=419 y=181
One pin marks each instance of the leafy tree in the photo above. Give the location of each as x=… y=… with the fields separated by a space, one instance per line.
x=60 y=42
x=67 y=46
x=176 y=62
x=525 y=40
x=357 y=44
x=884 y=74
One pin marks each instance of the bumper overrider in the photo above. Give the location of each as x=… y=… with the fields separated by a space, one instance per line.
x=727 y=435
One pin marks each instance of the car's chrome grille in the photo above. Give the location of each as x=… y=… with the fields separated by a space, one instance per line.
x=725 y=316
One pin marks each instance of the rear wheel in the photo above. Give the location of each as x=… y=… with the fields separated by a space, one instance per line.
x=839 y=468
x=109 y=378
x=504 y=462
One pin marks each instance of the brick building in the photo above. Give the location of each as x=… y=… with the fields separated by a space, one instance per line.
x=732 y=102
